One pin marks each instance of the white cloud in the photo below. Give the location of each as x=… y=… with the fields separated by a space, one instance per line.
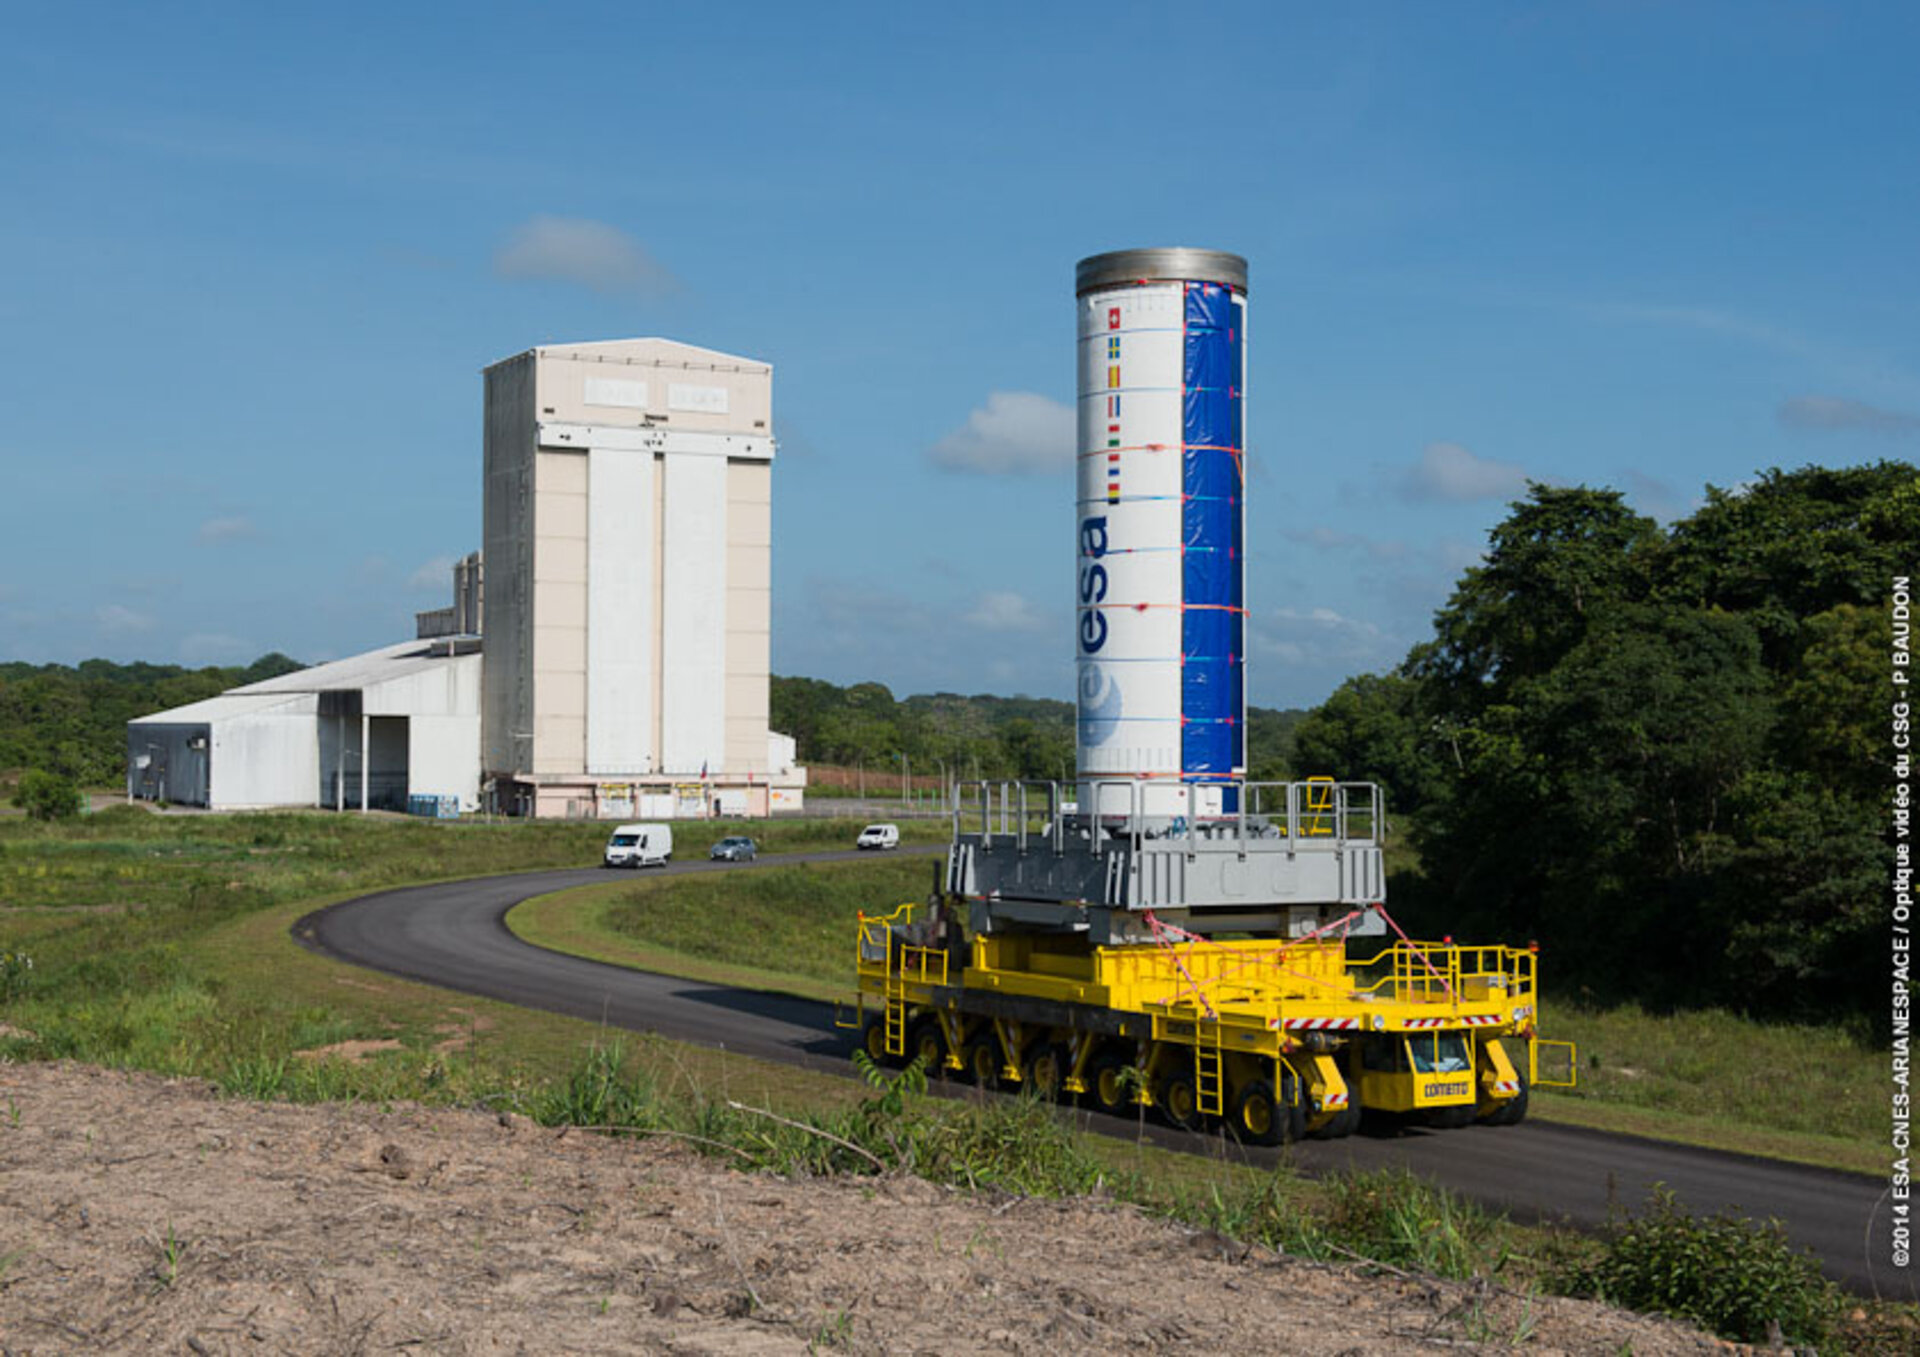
x=212 y=647
x=1835 y=412
x=1320 y=638
x=1328 y=539
x=1855 y=366
x=577 y=250
x=235 y=529
x=1713 y=320
x=854 y=630
x=1005 y=611
x=120 y=620
x=432 y=576
x=1449 y=473
x=1015 y=432
x=1651 y=495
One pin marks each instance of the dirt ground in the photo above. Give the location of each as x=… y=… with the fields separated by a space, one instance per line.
x=140 y=1214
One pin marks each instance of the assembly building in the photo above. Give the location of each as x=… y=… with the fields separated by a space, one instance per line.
x=606 y=653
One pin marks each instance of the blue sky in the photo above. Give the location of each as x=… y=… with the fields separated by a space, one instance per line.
x=251 y=263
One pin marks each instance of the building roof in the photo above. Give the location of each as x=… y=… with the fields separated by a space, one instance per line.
x=650 y=350
x=358 y=671
x=223 y=708
x=355 y=671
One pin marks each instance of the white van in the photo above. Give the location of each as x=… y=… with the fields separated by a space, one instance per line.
x=878 y=836
x=639 y=846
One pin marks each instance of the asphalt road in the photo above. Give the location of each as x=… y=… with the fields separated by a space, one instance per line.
x=455 y=936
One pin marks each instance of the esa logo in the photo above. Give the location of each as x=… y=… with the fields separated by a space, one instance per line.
x=1093 y=584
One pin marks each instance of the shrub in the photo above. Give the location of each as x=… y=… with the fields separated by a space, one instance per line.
x=1725 y=1272
x=16 y=969
x=46 y=796
x=598 y=1094
x=1392 y=1217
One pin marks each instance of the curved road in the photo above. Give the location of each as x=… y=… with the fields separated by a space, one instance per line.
x=454 y=935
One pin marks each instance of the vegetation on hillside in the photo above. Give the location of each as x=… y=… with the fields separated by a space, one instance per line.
x=967 y=737
x=1662 y=753
x=71 y=720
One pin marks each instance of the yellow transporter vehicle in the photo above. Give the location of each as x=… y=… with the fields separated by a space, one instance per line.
x=1302 y=1015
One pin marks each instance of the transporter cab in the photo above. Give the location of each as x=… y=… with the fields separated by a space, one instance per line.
x=1127 y=959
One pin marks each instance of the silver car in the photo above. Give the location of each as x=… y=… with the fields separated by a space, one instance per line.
x=736 y=849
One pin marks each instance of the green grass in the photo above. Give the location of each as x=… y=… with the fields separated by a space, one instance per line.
x=162 y=943
x=1713 y=1077
x=787 y=928
x=1686 y=1076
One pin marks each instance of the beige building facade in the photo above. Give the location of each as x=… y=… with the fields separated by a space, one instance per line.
x=628 y=548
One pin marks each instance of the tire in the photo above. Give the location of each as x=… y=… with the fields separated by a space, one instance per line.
x=1047 y=1070
x=1107 y=1088
x=1179 y=1100
x=1256 y=1115
x=1450 y=1118
x=981 y=1057
x=1343 y=1123
x=1513 y=1111
x=873 y=1040
x=926 y=1037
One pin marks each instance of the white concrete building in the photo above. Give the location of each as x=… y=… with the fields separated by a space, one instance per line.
x=605 y=655
x=374 y=731
x=628 y=551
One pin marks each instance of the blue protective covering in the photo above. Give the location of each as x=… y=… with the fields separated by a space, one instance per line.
x=1213 y=624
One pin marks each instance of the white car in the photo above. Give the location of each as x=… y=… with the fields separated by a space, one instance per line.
x=878 y=836
x=639 y=846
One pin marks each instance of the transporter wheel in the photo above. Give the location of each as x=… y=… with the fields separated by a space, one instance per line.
x=1179 y=1101
x=1513 y=1111
x=981 y=1056
x=1342 y=1123
x=873 y=1040
x=1258 y=1118
x=1293 y=1101
x=927 y=1042
x=1047 y=1070
x=1110 y=1082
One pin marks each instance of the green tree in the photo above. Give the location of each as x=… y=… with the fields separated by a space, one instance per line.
x=1794 y=544
x=1833 y=697
x=1799 y=901
x=1037 y=753
x=1372 y=730
x=1554 y=565
x=47 y=796
x=1595 y=811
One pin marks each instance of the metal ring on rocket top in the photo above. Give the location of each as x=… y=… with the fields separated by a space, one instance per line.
x=1172 y=263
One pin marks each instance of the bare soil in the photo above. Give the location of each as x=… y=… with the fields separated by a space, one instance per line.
x=140 y=1214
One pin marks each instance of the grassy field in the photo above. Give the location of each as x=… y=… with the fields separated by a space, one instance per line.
x=161 y=943
x=788 y=928
x=1684 y=1076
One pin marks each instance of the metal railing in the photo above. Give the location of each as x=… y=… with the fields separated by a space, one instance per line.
x=1191 y=811
x=1445 y=971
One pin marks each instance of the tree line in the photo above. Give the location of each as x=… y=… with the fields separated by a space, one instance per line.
x=70 y=721
x=1663 y=753
x=966 y=737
